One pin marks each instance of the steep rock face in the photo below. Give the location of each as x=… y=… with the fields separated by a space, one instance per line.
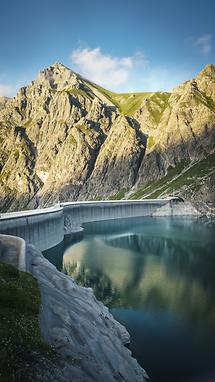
x=118 y=161
x=65 y=138
x=50 y=135
x=181 y=131
x=185 y=128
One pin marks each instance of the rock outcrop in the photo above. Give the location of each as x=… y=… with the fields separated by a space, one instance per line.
x=65 y=138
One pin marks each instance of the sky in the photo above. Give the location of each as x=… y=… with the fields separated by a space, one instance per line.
x=123 y=45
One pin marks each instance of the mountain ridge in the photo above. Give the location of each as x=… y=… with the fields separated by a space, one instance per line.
x=64 y=137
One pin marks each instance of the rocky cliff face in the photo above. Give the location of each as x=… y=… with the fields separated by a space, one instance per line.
x=63 y=137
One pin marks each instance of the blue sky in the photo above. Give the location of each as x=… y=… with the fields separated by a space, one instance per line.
x=125 y=45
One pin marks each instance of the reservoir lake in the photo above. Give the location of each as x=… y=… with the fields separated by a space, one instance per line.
x=157 y=276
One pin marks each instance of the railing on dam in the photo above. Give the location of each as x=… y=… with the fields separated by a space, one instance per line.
x=45 y=228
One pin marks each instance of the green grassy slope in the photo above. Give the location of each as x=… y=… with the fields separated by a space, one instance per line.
x=156 y=104
x=190 y=177
x=20 y=340
x=127 y=103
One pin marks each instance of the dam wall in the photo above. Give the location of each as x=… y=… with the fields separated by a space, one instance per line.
x=46 y=228
x=77 y=213
x=42 y=227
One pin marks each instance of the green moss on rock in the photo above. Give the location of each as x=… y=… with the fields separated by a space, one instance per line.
x=150 y=142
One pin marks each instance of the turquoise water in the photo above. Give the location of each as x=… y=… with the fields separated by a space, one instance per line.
x=158 y=278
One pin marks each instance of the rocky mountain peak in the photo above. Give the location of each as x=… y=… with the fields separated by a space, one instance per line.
x=59 y=66
x=207 y=70
x=58 y=77
x=206 y=80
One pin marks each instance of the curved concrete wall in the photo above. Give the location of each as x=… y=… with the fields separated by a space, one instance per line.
x=43 y=228
x=82 y=212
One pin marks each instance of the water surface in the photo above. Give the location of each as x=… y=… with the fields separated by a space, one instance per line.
x=158 y=278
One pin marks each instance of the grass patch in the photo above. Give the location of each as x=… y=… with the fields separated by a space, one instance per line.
x=194 y=176
x=86 y=93
x=127 y=103
x=159 y=184
x=178 y=177
x=72 y=140
x=107 y=93
x=207 y=101
x=119 y=195
x=27 y=123
x=20 y=338
x=150 y=142
x=84 y=128
x=16 y=154
x=156 y=105
x=25 y=148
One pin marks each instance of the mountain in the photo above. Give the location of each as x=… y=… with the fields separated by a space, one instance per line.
x=65 y=138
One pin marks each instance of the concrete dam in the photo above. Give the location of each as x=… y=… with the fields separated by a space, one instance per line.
x=46 y=228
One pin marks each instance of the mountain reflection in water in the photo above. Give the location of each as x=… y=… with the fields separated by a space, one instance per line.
x=158 y=278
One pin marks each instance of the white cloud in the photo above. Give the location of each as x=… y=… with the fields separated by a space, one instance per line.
x=104 y=69
x=6 y=90
x=204 y=43
x=125 y=74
